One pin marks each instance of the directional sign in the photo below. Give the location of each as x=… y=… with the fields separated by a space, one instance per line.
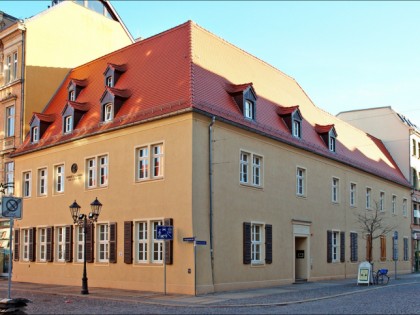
x=164 y=232
x=189 y=239
x=200 y=242
x=11 y=207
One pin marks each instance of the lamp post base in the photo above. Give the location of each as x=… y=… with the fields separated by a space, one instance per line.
x=84 y=286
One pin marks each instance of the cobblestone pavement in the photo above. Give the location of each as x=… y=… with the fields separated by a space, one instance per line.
x=53 y=299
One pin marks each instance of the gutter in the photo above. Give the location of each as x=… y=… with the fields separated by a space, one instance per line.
x=211 y=196
x=22 y=78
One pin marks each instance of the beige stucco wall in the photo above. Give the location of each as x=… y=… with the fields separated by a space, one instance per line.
x=123 y=200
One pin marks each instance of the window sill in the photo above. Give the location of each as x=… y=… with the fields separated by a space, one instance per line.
x=251 y=185
x=257 y=264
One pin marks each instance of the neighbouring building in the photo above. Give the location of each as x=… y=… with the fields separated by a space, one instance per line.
x=36 y=55
x=402 y=139
x=185 y=129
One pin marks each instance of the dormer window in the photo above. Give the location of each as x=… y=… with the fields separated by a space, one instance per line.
x=245 y=97
x=328 y=135
x=38 y=125
x=108 y=115
x=35 y=134
x=113 y=73
x=111 y=102
x=71 y=115
x=74 y=88
x=109 y=81
x=292 y=118
x=68 y=124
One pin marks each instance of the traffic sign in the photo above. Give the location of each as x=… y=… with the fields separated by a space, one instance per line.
x=200 y=242
x=189 y=239
x=11 y=207
x=164 y=232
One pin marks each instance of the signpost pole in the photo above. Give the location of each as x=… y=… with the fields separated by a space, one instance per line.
x=395 y=252
x=10 y=258
x=195 y=269
x=164 y=266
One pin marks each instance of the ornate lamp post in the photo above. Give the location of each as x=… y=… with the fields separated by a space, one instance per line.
x=83 y=221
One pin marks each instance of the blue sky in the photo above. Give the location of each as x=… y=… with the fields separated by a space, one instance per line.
x=345 y=54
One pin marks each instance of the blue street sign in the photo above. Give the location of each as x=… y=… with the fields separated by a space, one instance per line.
x=200 y=242
x=189 y=239
x=164 y=232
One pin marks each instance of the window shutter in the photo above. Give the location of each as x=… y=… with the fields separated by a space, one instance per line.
x=89 y=242
x=113 y=242
x=268 y=244
x=342 y=247
x=128 y=242
x=50 y=239
x=169 y=246
x=329 y=246
x=69 y=243
x=247 y=243
x=32 y=245
x=16 y=247
x=353 y=249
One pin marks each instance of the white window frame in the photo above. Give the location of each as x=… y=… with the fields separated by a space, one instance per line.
x=108 y=112
x=257 y=243
x=142 y=242
x=381 y=201
x=301 y=181
x=297 y=128
x=244 y=167
x=27 y=184
x=15 y=66
x=335 y=190
x=60 y=243
x=157 y=245
x=72 y=95
x=35 y=134
x=42 y=181
x=25 y=244
x=368 y=198
x=8 y=69
x=68 y=124
x=80 y=244
x=59 y=178
x=353 y=194
x=404 y=207
x=150 y=161
x=249 y=109
x=335 y=246
x=394 y=204
x=10 y=121
x=251 y=169
x=109 y=81
x=9 y=177
x=42 y=244
x=103 y=242
x=97 y=169
x=332 y=143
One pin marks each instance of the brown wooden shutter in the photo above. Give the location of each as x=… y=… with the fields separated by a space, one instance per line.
x=247 y=243
x=113 y=242
x=128 y=242
x=50 y=244
x=353 y=245
x=383 y=247
x=268 y=244
x=69 y=243
x=89 y=242
x=169 y=246
x=32 y=244
x=16 y=247
x=342 y=247
x=329 y=246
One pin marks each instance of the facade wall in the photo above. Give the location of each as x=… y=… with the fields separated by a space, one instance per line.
x=123 y=199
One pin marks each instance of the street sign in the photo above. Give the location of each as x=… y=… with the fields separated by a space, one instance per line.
x=11 y=207
x=189 y=239
x=164 y=232
x=200 y=242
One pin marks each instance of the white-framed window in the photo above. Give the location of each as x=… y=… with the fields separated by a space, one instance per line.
x=72 y=95
x=27 y=183
x=10 y=121
x=108 y=112
x=109 y=81
x=404 y=207
x=247 y=175
x=353 y=194
x=142 y=242
x=394 y=204
x=381 y=201
x=25 y=244
x=257 y=237
x=8 y=69
x=61 y=244
x=249 y=109
x=414 y=147
x=150 y=166
x=300 y=181
x=35 y=134
x=368 y=198
x=80 y=244
x=42 y=182
x=42 y=244
x=157 y=245
x=332 y=143
x=297 y=128
x=335 y=246
x=335 y=190
x=59 y=178
x=9 y=177
x=103 y=242
x=97 y=171
x=68 y=124
x=15 y=66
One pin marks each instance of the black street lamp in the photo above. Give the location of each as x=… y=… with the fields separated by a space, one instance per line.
x=83 y=221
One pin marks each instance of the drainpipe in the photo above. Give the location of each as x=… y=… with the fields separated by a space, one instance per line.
x=211 y=195
x=22 y=78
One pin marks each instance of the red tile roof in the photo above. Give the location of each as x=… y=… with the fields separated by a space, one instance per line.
x=323 y=129
x=187 y=68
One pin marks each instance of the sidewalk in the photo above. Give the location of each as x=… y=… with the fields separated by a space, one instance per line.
x=280 y=295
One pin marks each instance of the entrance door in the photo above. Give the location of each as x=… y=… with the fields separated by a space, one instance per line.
x=301 y=259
